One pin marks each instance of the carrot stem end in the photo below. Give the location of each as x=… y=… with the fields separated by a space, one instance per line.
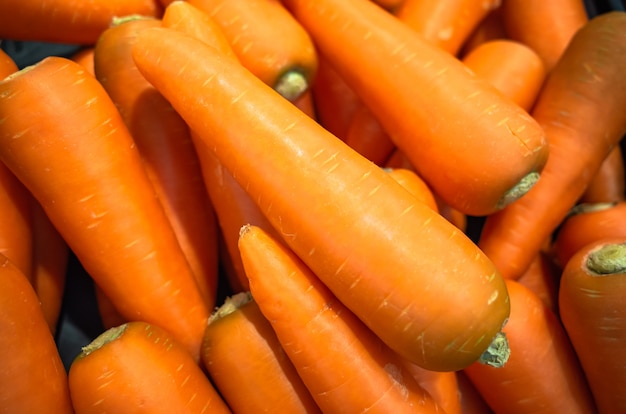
x=497 y=353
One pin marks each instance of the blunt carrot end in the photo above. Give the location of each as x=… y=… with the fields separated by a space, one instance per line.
x=521 y=188
x=292 y=84
x=231 y=304
x=609 y=259
x=105 y=337
x=497 y=353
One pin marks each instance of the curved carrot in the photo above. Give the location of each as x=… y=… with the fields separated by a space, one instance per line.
x=410 y=180
x=246 y=362
x=367 y=136
x=268 y=41
x=319 y=195
x=543 y=373
x=88 y=176
x=140 y=368
x=581 y=110
x=408 y=83
x=342 y=363
x=591 y=301
x=609 y=182
x=32 y=378
x=71 y=21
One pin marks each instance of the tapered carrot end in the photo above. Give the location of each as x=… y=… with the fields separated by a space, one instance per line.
x=498 y=352
x=292 y=84
x=609 y=259
x=521 y=188
x=104 y=338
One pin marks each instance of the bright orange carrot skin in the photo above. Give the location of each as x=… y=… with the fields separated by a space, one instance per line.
x=356 y=227
x=32 y=378
x=609 y=183
x=98 y=195
x=140 y=368
x=414 y=184
x=471 y=162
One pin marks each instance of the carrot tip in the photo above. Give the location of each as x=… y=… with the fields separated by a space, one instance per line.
x=292 y=84
x=231 y=304
x=105 y=337
x=609 y=259
x=497 y=353
x=521 y=188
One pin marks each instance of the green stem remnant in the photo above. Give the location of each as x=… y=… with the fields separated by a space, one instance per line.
x=292 y=84
x=497 y=353
x=608 y=259
x=105 y=337
x=521 y=188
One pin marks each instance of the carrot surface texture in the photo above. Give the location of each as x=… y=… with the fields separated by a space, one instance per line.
x=417 y=281
x=477 y=149
x=581 y=108
x=87 y=174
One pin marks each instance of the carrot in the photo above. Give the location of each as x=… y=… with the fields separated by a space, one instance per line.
x=609 y=182
x=268 y=41
x=445 y=23
x=319 y=195
x=591 y=301
x=543 y=373
x=342 y=363
x=542 y=277
x=491 y=27
x=68 y=21
x=367 y=136
x=85 y=57
x=512 y=67
x=414 y=184
x=32 y=378
x=545 y=26
x=408 y=83
x=245 y=360
x=74 y=153
x=140 y=368
x=471 y=400
x=109 y=316
x=581 y=134
x=7 y=64
x=389 y=5
x=441 y=386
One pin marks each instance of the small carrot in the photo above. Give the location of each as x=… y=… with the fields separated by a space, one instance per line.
x=140 y=368
x=407 y=82
x=581 y=134
x=321 y=196
x=591 y=302
x=32 y=378
x=410 y=180
x=74 y=153
x=609 y=182
x=246 y=362
x=342 y=363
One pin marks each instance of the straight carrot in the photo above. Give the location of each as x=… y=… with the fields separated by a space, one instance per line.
x=581 y=132
x=342 y=363
x=74 y=153
x=408 y=83
x=332 y=205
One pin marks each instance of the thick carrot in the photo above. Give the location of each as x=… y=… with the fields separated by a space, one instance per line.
x=246 y=362
x=543 y=374
x=608 y=184
x=32 y=378
x=591 y=301
x=367 y=136
x=581 y=108
x=74 y=153
x=67 y=21
x=410 y=180
x=385 y=255
x=492 y=151
x=268 y=41
x=342 y=363
x=140 y=368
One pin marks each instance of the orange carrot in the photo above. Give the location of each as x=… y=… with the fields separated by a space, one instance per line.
x=246 y=362
x=414 y=183
x=70 y=21
x=389 y=5
x=609 y=182
x=591 y=301
x=367 y=136
x=319 y=195
x=408 y=83
x=543 y=373
x=441 y=386
x=109 y=316
x=74 y=153
x=140 y=368
x=491 y=27
x=542 y=277
x=7 y=64
x=342 y=363
x=85 y=57
x=581 y=110
x=32 y=378
x=471 y=400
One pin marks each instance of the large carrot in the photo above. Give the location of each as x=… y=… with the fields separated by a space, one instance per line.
x=581 y=108
x=74 y=153
x=343 y=364
x=591 y=302
x=478 y=150
x=32 y=378
x=140 y=368
x=415 y=280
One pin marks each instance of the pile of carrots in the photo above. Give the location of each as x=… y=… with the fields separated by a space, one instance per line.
x=323 y=160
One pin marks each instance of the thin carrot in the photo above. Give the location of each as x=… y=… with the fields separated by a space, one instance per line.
x=71 y=21
x=367 y=136
x=74 y=153
x=609 y=182
x=408 y=83
x=332 y=205
x=591 y=301
x=582 y=133
x=140 y=368
x=246 y=362
x=342 y=363
x=410 y=180
x=32 y=378
x=543 y=373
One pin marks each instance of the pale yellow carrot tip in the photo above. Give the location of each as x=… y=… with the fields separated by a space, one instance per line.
x=609 y=259
x=292 y=84
x=231 y=304
x=117 y=20
x=105 y=337
x=521 y=188
x=497 y=353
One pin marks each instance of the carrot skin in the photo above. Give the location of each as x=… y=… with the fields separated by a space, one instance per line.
x=608 y=185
